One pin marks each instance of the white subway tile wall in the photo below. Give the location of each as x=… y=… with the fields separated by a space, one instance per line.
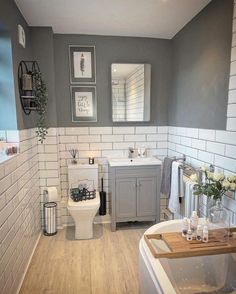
x=99 y=142
x=118 y=100
x=45 y=165
x=199 y=145
x=134 y=90
x=19 y=210
x=231 y=113
x=49 y=167
x=210 y=147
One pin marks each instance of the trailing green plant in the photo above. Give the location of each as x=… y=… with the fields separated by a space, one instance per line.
x=41 y=100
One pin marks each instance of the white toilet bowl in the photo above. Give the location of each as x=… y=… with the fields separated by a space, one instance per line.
x=83 y=213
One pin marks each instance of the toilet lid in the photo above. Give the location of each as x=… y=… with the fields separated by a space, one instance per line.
x=85 y=204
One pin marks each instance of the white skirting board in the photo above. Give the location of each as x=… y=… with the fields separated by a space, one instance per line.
x=27 y=266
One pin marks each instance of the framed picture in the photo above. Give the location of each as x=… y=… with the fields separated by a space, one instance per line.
x=84 y=103
x=82 y=64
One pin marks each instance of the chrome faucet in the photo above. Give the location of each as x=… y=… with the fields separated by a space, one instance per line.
x=131 y=152
x=142 y=152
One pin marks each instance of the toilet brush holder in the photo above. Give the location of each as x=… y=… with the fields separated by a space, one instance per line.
x=103 y=200
x=102 y=209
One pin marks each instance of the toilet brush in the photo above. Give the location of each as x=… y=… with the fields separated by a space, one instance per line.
x=102 y=209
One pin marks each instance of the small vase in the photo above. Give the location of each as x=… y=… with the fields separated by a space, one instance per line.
x=219 y=221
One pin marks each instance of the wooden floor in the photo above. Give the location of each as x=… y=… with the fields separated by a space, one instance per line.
x=106 y=264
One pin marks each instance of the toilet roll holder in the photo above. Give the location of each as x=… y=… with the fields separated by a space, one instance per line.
x=46 y=196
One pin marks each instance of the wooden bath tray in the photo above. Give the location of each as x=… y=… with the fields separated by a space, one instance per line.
x=179 y=247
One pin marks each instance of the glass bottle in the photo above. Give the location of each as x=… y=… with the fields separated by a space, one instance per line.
x=219 y=222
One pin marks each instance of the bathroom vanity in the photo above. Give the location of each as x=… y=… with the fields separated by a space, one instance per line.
x=134 y=188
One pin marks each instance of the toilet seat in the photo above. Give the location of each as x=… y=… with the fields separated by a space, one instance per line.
x=85 y=204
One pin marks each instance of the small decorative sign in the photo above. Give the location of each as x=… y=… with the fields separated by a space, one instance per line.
x=21 y=36
x=84 y=103
x=82 y=64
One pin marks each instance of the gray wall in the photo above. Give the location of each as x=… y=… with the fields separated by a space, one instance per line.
x=201 y=64
x=42 y=51
x=110 y=50
x=10 y=17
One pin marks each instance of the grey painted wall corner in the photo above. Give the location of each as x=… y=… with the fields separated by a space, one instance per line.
x=201 y=65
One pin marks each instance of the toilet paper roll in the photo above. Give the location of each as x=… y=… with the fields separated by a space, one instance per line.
x=52 y=195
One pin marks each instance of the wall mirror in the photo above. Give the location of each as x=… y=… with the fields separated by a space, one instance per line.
x=131 y=89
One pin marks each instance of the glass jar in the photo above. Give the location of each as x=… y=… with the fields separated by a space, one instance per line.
x=219 y=222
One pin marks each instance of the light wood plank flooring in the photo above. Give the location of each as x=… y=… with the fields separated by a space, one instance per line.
x=106 y=264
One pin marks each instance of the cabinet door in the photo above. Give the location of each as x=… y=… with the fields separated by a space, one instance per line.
x=126 y=197
x=146 y=196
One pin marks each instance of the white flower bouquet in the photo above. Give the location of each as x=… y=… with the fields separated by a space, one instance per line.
x=215 y=184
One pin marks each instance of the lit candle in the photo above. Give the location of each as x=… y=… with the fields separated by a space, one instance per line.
x=91 y=160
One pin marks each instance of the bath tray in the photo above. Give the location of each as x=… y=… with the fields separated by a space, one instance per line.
x=173 y=245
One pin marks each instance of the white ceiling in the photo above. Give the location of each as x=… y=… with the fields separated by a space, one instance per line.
x=141 y=18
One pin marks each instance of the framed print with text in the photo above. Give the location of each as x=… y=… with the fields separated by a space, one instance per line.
x=84 y=103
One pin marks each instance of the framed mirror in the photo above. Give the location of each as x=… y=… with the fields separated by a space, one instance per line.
x=131 y=92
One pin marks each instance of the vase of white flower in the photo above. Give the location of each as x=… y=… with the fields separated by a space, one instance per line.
x=214 y=186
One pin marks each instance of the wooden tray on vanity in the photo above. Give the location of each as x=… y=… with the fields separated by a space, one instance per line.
x=179 y=247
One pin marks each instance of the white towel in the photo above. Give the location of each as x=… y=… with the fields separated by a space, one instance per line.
x=174 y=206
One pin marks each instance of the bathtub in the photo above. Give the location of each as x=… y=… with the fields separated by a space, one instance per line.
x=203 y=274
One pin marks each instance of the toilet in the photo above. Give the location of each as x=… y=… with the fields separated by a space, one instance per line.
x=83 y=212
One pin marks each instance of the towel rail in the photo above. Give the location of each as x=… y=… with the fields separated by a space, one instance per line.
x=188 y=170
x=180 y=158
x=185 y=169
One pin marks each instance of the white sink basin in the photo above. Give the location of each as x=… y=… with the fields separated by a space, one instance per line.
x=134 y=161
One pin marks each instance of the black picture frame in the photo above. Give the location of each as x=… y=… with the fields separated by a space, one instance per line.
x=82 y=61
x=83 y=103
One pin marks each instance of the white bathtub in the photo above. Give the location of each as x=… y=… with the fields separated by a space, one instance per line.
x=206 y=274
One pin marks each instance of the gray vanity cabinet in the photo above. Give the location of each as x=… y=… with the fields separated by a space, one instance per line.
x=126 y=197
x=146 y=196
x=135 y=193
